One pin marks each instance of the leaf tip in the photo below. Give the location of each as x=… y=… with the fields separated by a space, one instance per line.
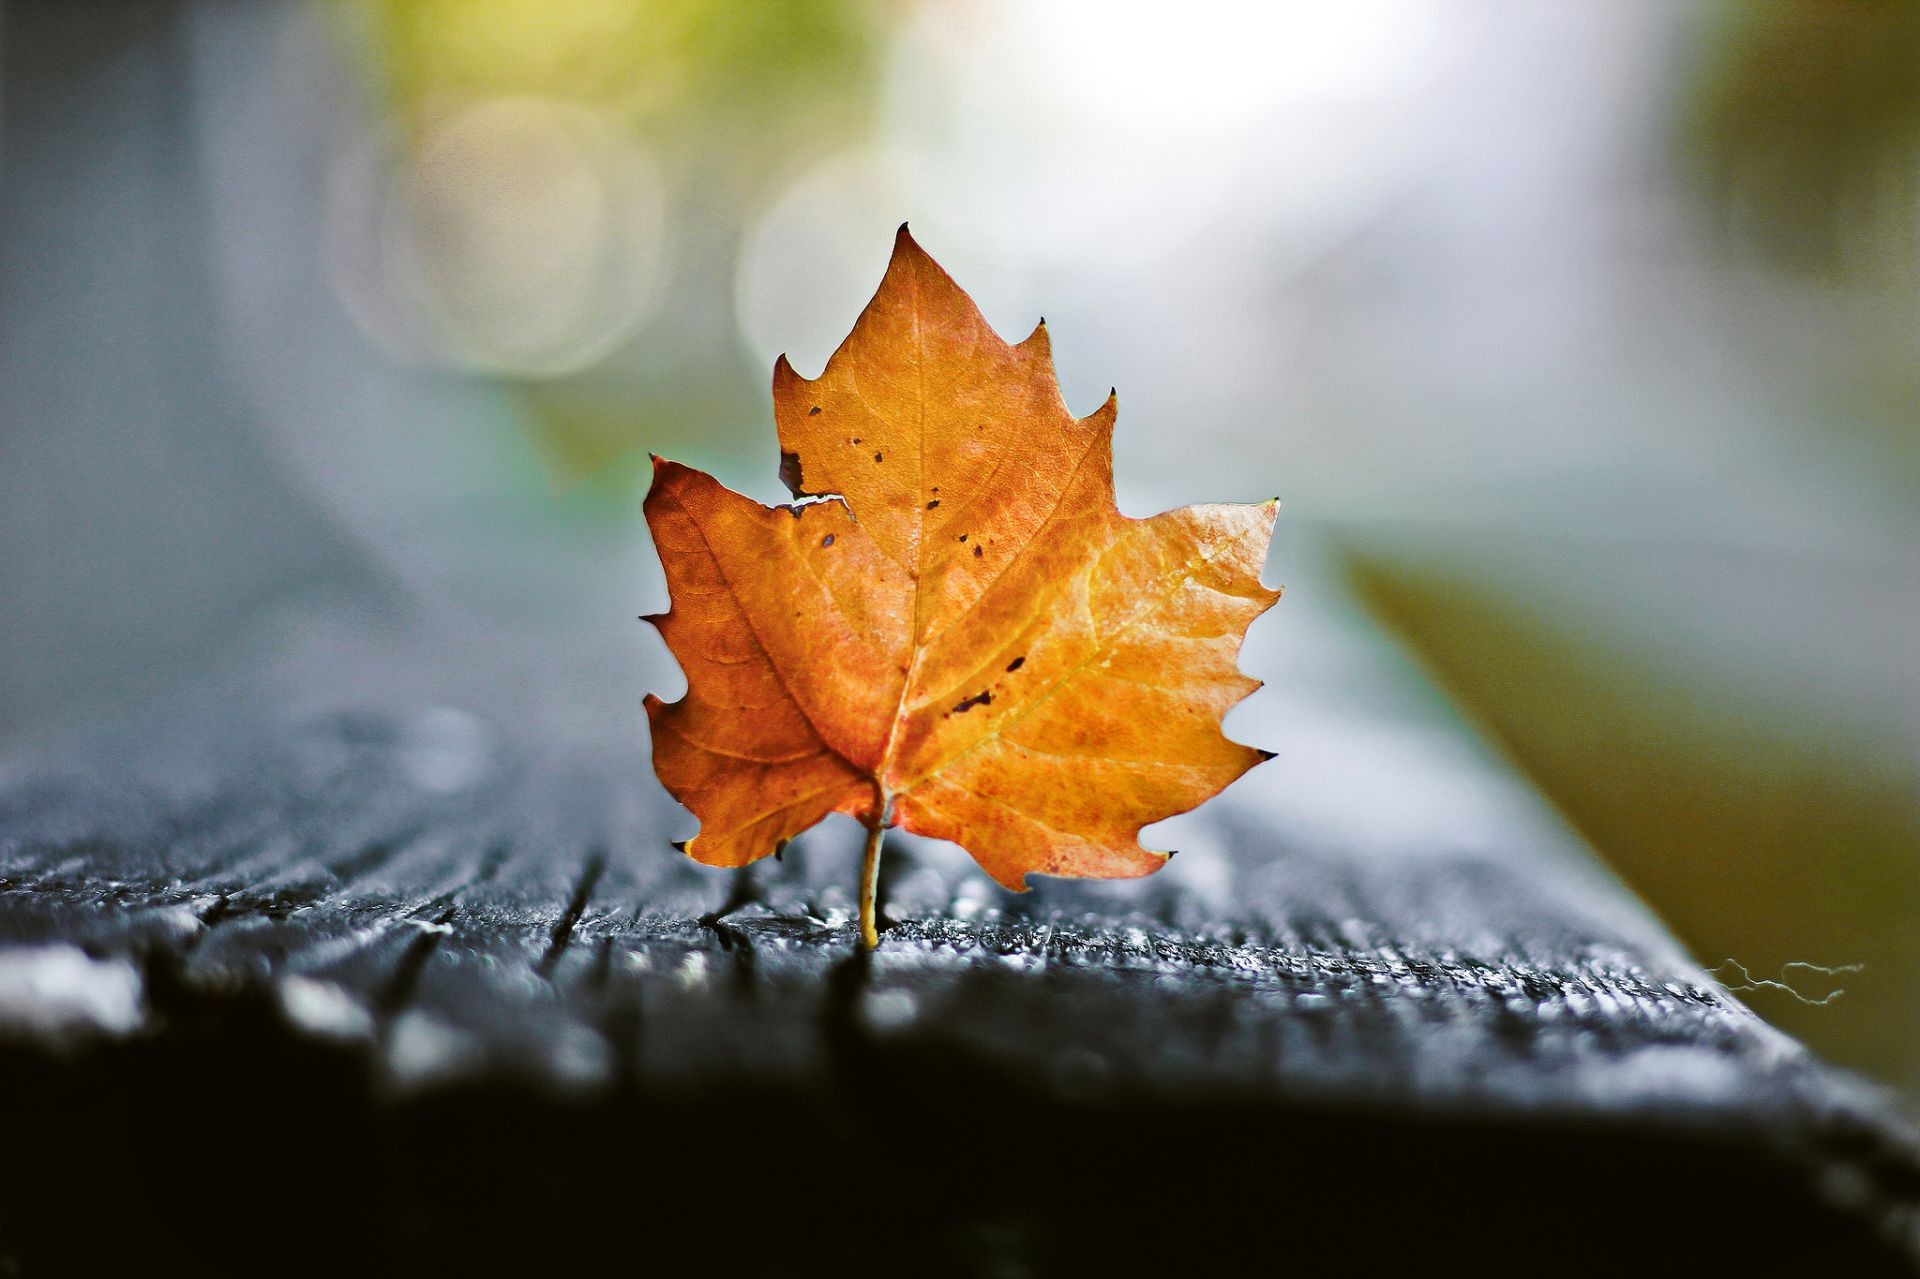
x=1265 y=754
x=788 y=381
x=681 y=845
x=906 y=247
x=1107 y=413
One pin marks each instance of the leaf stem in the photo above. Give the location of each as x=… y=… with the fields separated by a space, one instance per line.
x=870 y=883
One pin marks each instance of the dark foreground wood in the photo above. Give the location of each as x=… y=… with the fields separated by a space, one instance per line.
x=416 y=988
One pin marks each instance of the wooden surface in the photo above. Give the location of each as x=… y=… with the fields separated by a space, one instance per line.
x=378 y=987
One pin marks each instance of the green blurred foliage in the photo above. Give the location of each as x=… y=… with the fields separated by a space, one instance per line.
x=1799 y=125
x=733 y=99
x=688 y=74
x=1799 y=134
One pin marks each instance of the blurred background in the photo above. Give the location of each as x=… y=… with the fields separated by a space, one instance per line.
x=1584 y=336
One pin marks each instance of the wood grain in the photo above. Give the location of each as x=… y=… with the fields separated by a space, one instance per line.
x=404 y=987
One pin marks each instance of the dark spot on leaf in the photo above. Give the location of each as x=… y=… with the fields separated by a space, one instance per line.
x=810 y=412
x=856 y=439
x=963 y=537
x=876 y=457
x=790 y=474
x=935 y=502
x=977 y=551
x=827 y=540
x=936 y=488
x=1016 y=663
x=981 y=698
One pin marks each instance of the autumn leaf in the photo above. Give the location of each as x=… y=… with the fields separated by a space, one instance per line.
x=966 y=638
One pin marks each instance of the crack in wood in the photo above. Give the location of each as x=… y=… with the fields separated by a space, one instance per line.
x=562 y=935
x=398 y=991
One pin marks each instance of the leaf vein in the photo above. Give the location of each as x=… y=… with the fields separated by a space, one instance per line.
x=746 y=615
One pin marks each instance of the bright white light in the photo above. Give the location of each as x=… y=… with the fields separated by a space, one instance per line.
x=1080 y=126
x=1212 y=62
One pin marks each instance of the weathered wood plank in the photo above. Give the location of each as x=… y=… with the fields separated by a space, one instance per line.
x=402 y=987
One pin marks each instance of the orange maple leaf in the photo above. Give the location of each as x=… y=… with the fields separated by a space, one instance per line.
x=970 y=641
